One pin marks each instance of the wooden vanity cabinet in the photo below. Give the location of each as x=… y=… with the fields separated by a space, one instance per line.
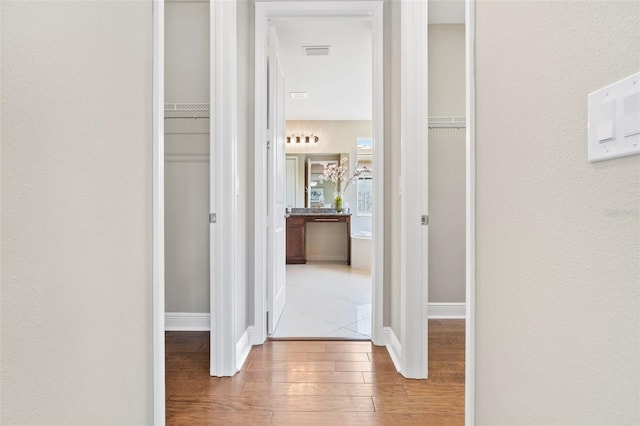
x=296 y=252
x=296 y=239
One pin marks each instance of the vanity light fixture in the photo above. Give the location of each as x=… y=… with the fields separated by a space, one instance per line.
x=306 y=139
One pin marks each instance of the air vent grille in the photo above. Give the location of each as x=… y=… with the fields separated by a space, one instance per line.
x=316 y=50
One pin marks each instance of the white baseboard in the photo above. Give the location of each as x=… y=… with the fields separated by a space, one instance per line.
x=447 y=310
x=326 y=258
x=243 y=347
x=393 y=347
x=186 y=321
x=190 y=321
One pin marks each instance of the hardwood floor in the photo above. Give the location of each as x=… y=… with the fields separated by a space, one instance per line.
x=316 y=383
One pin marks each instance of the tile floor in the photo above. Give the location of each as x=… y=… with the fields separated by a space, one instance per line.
x=326 y=300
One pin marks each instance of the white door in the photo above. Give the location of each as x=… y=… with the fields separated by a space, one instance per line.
x=276 y=289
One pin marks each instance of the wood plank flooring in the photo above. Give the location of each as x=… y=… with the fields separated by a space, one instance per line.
x=316 y=383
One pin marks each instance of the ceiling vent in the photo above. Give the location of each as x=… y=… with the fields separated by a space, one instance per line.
x=316 y=50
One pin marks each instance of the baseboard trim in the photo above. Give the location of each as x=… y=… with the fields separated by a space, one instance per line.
x=243 y=347
x=393 y=347
x=199 y=321
x=326 y=258
x=447 y=310
x=187 y=321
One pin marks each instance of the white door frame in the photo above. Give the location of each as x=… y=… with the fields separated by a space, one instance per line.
x=158 y=215
x=470 y=202
x=264 y=11
x=223 y=188
x=414 y=189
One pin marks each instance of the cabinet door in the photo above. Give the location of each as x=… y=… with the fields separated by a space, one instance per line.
x=295 y=240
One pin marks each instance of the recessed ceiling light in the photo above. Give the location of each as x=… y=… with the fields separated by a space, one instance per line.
x=316 y=50
x=298 y=95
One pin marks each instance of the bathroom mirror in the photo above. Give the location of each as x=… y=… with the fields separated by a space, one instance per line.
x=320 y=194
x=303 y=187
x=316 y=189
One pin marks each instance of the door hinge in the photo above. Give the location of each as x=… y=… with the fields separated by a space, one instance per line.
x=213 y=218
x=425 y=220
x=268 y=144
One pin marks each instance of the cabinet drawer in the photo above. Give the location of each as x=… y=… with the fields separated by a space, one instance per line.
x=295 y=221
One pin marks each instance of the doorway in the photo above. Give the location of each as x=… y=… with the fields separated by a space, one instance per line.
x=256 y=337
x=315 y=142
x=327 y=72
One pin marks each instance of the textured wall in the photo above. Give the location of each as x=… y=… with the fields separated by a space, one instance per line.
x=447 y=165
x=446 y=70
x=186 y=159
x=446 y=215
x=76 y=213
x=558 y=238
x=186 y=51
x=186 y=183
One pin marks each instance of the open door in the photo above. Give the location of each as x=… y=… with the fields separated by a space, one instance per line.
x=276 y=201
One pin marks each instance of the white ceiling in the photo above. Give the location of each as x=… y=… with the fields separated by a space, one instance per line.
x=338 y=85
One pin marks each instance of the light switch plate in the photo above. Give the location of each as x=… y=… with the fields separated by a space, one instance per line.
x=614 y=120
x=631 y=105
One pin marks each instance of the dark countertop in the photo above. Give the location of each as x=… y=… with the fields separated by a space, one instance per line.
x=315 y=212
x=318 y=214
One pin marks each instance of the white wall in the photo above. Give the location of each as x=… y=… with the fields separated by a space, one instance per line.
x=446 y=165
x=186 y=159
x=186 y=51
x=186 y=215
x=446 y=70
x=76 y=306
x=447 y=215
x=558 y=238
x=335 y=136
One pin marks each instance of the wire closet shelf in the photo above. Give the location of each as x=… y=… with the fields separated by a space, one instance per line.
x=186 y=111
x=447 y=122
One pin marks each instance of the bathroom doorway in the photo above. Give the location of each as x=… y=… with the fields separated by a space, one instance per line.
x=320 y=64
x=329 y=175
